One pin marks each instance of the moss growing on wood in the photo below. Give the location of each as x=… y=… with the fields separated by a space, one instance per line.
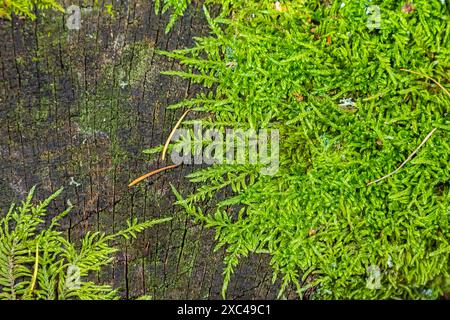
x=329 y=78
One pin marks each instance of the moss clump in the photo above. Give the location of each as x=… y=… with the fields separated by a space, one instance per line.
x=290 y=69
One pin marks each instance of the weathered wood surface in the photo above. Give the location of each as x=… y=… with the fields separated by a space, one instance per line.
x=76 y=110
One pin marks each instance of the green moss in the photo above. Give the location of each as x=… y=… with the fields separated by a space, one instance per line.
x=26 y=7
x=108 y=111
x=323 y=226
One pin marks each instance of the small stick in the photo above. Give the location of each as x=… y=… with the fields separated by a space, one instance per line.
x=166 y=146
x=145 y=176
x=426 y=138
x=407 y=160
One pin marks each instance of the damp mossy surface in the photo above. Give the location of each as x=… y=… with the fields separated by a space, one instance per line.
x=353 y=96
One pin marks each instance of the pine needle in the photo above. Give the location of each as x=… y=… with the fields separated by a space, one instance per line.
x=148 y=175
x=166 y=145
x=35 y=272
x=28 y=295
x=429 y=78
x=407 y=160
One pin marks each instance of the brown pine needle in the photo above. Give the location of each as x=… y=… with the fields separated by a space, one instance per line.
x=148 y=175
x=407 y=160
x=166 y=146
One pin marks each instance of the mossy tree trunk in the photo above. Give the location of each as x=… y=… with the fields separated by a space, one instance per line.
x=77 y=107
